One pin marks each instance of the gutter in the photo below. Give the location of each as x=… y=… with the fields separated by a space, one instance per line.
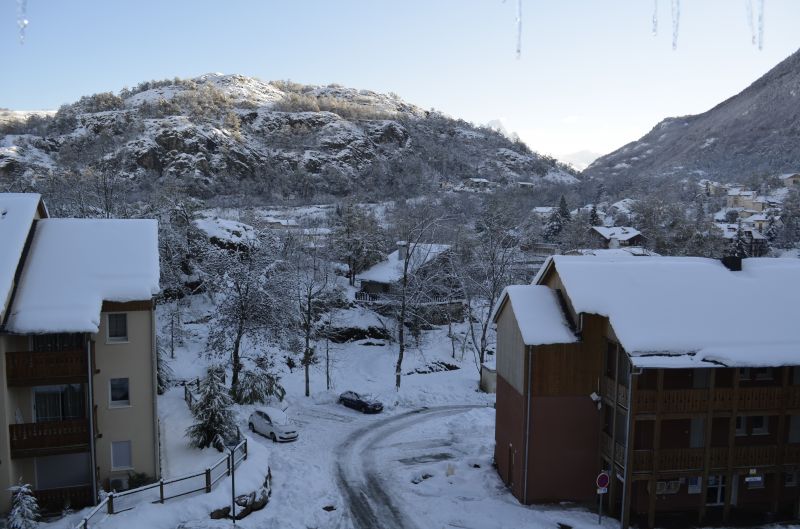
x=154 y=370
x=628 y=440
x=92 y=437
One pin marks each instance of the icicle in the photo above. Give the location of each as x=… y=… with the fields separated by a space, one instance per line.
x=676 y=20
x=22 y=19
x=519 y=28
x=760 y=24
x=748 y=5
x=655 y=17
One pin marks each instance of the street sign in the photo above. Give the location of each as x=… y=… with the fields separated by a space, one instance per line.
x=602 y=490
x=602 y=480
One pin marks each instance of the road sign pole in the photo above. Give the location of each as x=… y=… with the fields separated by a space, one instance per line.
x=602 y=482
x=599 y=509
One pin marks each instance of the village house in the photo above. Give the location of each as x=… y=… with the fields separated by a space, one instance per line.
x=649 y=369
x=617 y=236
x=477 y=184
x=790 y=179
x=756 y=243
x=77 y=333
x=749 y=201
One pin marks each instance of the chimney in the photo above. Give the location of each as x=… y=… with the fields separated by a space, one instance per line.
x=732 y=263
x=402 y=250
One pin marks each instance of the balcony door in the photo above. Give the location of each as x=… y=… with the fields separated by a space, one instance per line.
x=58 y=403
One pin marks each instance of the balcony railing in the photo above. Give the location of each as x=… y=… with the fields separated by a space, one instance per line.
x=697 y=400
x=54 y=500
x=30 y=368
x=51 y=437
x=394 y=299
x=693 y=459
x=607 y=388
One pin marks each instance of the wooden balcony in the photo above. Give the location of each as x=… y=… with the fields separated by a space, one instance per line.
x=607 y=389
x=691 y=401
x=48 y=438
x=54 y=500
x=615 y=452
x=693 y=459
x=30 y=368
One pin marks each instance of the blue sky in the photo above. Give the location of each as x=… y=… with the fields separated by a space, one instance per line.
x=591 y=75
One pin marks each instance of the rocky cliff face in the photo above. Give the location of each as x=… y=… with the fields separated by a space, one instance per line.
x=754 y=133
x=229 y=134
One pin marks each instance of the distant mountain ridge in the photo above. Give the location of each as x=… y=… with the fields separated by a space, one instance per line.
x=230 y=134
x=754 y=133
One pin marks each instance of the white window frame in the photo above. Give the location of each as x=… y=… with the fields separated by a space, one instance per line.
x=719 y=485
x=119 y=403
x=111 y=447
x=115 y=340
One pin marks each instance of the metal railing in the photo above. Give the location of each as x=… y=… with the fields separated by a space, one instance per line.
x=164 y=490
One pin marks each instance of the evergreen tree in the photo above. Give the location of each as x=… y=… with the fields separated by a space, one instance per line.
x=771 y=230
x=164 y=373
x=739 y=245
x=594 y=218
x=553 y=226
x=214 y=421
x=563 y=210
x=24 y=507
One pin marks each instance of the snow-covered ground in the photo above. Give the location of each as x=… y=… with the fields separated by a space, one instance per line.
x=435 y=466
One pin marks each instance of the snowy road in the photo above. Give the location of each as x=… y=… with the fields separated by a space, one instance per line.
x=361 y=474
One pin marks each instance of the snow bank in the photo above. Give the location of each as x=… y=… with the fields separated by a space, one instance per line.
x=621 y=233
x=76 y=264
x=665 y=308
x=539 y=316
x=17 y=211
x=225 y=230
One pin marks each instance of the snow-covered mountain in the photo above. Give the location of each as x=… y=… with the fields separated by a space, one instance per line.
x=230 y=134
x=754 y=133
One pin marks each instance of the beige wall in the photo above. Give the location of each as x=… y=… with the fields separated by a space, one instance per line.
x=134 y=360
x=510 y=349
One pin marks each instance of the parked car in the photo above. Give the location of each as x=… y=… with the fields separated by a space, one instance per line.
x=362 y=403
x=273 y=423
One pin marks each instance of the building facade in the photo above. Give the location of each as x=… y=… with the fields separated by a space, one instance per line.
x=696 y=418
x=77 y=384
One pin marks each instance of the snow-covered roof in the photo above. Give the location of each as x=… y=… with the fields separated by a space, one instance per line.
x=17 y=211
x=741 y=193
x=729 y=230
x=788 y=175
x=621 y=233
x=225 y=230
x=687 y=311
x=538 y=312
x=542 y=210
x=391 y=269
x=626 y=251
x=75 y=264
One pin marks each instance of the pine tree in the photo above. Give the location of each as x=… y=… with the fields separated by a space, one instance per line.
x=24 y=507
x=771 y=230
x=214 y=421
x=594 y=218
x=738 y=246
x=164 y=373
x=553 y=226
x=563 y=210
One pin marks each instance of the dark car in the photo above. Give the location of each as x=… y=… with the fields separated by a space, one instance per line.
x=362 y=403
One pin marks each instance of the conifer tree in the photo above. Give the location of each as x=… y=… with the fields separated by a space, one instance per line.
x=553 y=226
x=563 y=210
x=739 y=246
x=594 y=218
x=214 y=421
x=24 y=507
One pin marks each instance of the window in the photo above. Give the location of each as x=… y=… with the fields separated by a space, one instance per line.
x=121 y=457
x=762 y=373
x=120 y=395
x=118 y=327
x=741 y=429
x=790 y=479
x=794 y=429
x=695 y=485
x=759 y=425
x=744 y=373
x=715 y=492
x=58 y=403
x=754 y=481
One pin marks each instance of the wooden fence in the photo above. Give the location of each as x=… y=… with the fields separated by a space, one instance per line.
x=164 y=490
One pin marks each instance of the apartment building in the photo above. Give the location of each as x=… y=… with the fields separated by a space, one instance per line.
x=77 y=334
x=654 y=371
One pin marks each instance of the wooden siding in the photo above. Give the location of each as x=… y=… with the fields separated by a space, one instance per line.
x=510 y=349
x=127 y=306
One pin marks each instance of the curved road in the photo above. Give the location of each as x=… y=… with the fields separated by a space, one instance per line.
x=363 y=488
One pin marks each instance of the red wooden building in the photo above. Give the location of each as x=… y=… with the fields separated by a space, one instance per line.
x=680 y=376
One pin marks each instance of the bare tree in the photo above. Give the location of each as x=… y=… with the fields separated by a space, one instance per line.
x=250 y=293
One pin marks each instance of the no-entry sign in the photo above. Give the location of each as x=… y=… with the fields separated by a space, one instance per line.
x=602 y=480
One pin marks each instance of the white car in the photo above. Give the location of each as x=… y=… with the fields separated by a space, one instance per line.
x=273 y=423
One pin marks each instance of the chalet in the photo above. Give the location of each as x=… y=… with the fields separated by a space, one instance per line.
x=649 y=369
x=77 y=333
x=379 y=283
x=790 y=179
x=756 y=243
x=477 y=183
x=617 y=236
